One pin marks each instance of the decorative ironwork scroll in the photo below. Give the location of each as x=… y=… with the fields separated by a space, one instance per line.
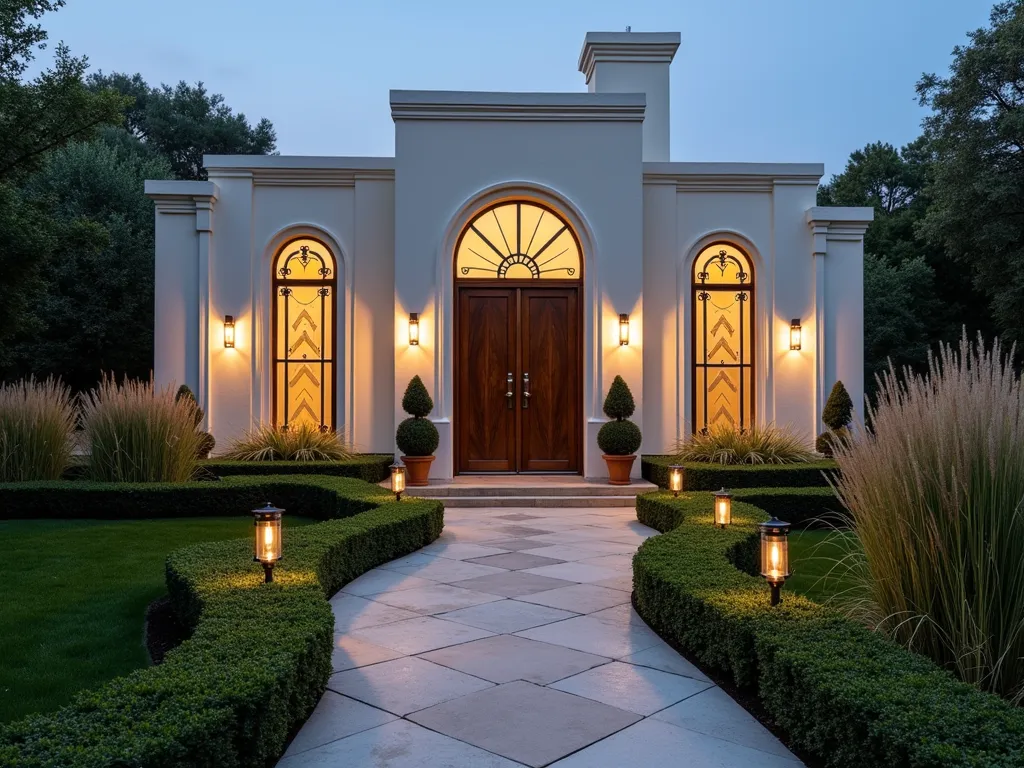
x=518 y=240
x=304 y=288
x=723 y=348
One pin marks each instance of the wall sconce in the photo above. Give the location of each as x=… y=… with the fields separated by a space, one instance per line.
x=623 y=330
x=397 y=480
x=795 y=334
x=675 y=479
x=229 y=332
x=775 y=555
x=414 y=329
x=723 y=508
x=267 y=522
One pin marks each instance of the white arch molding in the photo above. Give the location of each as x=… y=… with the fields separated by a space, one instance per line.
x=763 y=279
x=262 y=336
x=444 y=314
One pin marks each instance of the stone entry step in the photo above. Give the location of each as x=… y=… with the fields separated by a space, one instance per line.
x=529 y=501
x=531 y=491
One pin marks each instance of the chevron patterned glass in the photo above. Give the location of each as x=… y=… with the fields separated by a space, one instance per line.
x=723 y=338
x=304 y=285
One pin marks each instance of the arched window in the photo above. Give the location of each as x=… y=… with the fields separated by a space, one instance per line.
x=518 y=240
x=723 y=336
x=304 y=288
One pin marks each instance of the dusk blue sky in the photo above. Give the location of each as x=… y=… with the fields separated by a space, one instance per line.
x=754 y=80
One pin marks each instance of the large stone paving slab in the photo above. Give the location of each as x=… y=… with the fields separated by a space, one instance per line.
x=637 y=689
x=663 y=657
x=586 y=633
x=454 y=550
x=715 y=714
x=654 y=743
x=512 y=545
x=437 y=598
x=382 y=580
x=577 y=572
x=514 y=561
x=404 y=685
x=524 y=722
x=504 y=658
x=513 y=583
x=353 y=612
x=447 y=571
x=425 y=633
x=507 y=616
x=581 y=598
x=399 y=744
x=350 y=652
x=336 y=717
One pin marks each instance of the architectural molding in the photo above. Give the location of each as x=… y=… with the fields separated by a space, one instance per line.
x=634 y=47
x=299 y=171
x=732 y=177
x=182 y=197
x=533 y=107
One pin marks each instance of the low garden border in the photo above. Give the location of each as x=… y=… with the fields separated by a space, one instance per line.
x=703 y=476
x=371 y=467
x=841 y=692
x=259 y=654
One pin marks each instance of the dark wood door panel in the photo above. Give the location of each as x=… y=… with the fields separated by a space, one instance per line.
x=487 y=354
x=549 y=430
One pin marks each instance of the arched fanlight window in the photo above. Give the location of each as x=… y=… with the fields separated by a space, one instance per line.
x=723 y=336
x=304 y=288
x=518 y=240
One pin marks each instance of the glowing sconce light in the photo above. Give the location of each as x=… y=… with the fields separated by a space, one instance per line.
x=675 y=479
x=229 y=332
x=398 y=480
x=723 y=508
x=414 y=329
x=775 y=555
x=623 y=330
x=267 y=522
x=795 y=334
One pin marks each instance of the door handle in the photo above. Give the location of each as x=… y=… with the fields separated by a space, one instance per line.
x=509 y=394
x=526 y=390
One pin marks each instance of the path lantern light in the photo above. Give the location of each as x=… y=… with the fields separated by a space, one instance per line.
x=229 y=331
x=723 y=508
x=775 y=555
x=675 y=479
x=796 y=334
x=623 y=330
x=414 y=329
x=267 y=525
x=398 y=480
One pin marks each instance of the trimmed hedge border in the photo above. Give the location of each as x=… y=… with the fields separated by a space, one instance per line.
x=801 y=507
x=700 y=476
x=259 y=655
x=841 y=692
x=371 y=467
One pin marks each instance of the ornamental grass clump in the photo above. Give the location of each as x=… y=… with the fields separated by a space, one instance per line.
x=935 y=492
x=136 y=433
x=304 y=442
x=37 y=430
x=723 y=444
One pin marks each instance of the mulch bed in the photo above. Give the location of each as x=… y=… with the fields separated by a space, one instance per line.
x=747 y=698
x=163 y=630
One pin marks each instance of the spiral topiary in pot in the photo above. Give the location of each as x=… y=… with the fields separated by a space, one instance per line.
x=619 y=439
x=417 y=436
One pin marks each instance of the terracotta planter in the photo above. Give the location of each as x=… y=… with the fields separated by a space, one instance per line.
x=619 y=468
x=417 y=469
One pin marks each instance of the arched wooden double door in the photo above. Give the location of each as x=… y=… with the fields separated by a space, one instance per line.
x=518 y=342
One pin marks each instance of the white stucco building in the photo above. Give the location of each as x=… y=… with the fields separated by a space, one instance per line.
x=524 y=233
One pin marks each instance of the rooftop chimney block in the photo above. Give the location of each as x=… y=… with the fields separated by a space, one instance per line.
x=634 y=62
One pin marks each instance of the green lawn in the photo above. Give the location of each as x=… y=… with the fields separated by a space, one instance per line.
x=814 y=559
x=75 y=596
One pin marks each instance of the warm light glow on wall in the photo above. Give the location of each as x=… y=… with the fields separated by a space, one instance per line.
x=414 y=329
x=229 y=332
x=795 y=334
x=623 y=330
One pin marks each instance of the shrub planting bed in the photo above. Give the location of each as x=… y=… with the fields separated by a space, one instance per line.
x=259 y=655
x=841 y=692
x=700 y=476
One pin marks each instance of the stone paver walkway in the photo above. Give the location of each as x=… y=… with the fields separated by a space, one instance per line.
x=511 y=641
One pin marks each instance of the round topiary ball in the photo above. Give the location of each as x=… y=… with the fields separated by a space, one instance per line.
x=619 y=438
x=417 y=437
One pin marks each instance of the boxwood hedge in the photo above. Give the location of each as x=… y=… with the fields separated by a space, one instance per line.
x=702 y=476
x=259 y=655
x=371 y=467
x=841 y=692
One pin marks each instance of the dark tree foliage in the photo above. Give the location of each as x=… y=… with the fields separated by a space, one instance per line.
x=976 y=134
x=185 y=122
